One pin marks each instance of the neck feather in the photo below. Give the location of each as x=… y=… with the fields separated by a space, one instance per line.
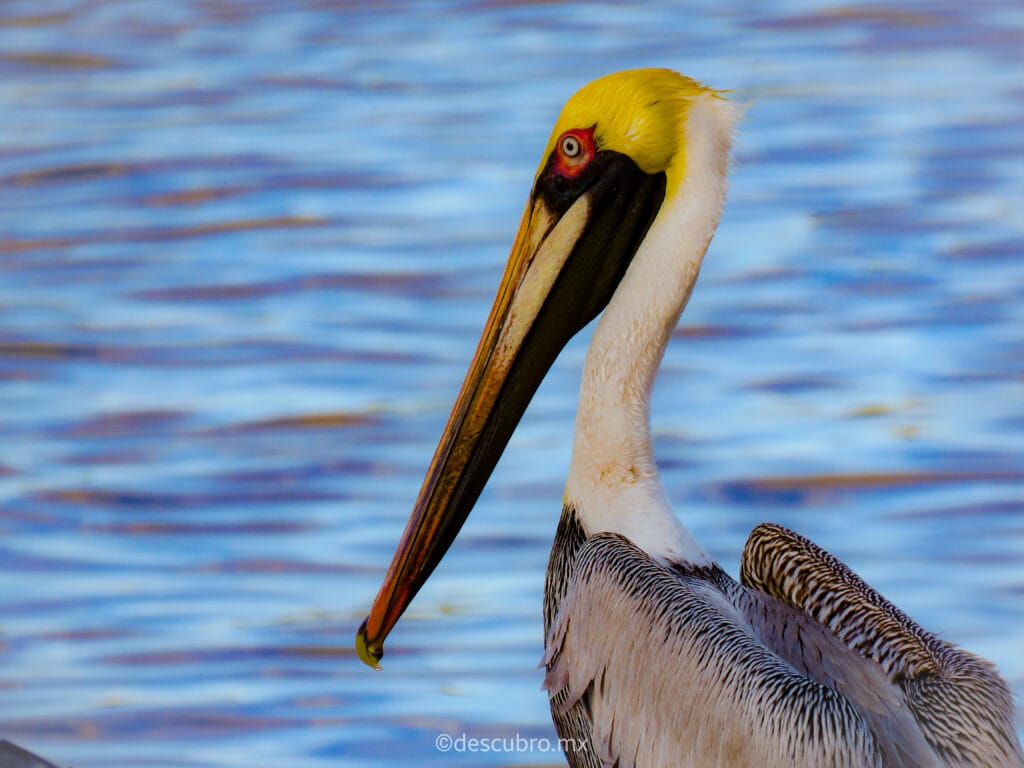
x=613 y=480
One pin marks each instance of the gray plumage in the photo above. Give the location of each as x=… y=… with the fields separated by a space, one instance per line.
x=799 y=664
x=13 y=756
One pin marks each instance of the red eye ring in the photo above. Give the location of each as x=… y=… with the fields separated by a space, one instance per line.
x=573 y=151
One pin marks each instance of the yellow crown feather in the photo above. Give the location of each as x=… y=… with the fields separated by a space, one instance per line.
x=640 y=113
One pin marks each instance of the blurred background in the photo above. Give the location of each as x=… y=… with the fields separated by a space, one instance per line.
x=246 y=249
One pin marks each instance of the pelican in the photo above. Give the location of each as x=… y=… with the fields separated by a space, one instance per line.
x=13 y=756
x=654 y=656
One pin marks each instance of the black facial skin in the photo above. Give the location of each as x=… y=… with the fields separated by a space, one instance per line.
x=624 y=201
x=559 y=192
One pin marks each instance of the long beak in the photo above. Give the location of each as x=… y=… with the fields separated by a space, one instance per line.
x=477 y=431
x=540 y=305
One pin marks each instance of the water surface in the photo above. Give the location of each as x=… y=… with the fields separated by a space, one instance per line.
x=246 y=249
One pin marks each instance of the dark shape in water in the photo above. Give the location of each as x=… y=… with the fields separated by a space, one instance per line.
x=13 y=756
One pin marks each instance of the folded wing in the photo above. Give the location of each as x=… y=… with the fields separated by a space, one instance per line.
x=961 y=705
x=677 y=667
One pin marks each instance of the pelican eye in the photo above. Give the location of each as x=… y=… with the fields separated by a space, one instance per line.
x=573 y=152
x=571 y=146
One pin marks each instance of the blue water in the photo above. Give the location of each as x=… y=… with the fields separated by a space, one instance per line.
x=246 y=249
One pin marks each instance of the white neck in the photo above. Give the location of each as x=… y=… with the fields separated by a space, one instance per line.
x=613 y=481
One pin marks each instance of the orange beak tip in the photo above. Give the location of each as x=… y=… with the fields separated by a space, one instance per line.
x=369 y=652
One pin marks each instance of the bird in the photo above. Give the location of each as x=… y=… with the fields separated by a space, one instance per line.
x=654 y=656
x=13 y=756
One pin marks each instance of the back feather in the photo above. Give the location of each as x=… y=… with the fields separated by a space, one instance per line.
x=960 y=702
x=670 y=672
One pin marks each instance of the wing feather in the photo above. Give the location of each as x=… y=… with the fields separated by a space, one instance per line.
x=716 y=695
x=961 y=704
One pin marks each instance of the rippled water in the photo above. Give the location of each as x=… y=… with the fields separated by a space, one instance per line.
x=245 y=252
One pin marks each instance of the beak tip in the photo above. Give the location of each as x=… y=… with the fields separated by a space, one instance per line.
x=369 y=652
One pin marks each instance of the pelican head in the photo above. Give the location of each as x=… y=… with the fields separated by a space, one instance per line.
x=616 y=164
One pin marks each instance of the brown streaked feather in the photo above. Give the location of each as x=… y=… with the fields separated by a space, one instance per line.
x=961 y=704
x=669 y=667
x=813 y=651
